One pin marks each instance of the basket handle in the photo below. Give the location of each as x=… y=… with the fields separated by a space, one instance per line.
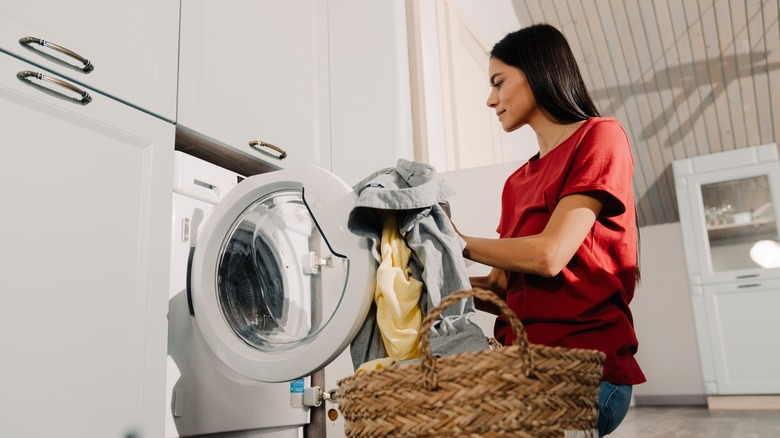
x=428 y=363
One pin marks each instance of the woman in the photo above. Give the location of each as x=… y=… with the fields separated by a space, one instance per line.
x=566 y=259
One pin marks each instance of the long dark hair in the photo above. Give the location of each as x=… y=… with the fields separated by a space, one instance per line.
x=542 y=53
x=544 y=56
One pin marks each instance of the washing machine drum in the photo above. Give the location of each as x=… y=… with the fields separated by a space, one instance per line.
x=251 y=288
x=278 y=285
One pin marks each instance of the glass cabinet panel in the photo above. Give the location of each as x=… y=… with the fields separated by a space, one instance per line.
x=738 y=214
x=728 y=204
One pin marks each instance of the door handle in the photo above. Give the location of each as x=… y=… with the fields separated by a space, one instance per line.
x=257 y=144
x=88 y=67
x=26 y=75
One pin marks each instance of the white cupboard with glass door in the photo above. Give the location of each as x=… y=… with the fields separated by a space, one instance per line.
x=728 y=204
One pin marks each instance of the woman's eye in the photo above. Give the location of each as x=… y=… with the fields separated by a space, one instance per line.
x=498 y=85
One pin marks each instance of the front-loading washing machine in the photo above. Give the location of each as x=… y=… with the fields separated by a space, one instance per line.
x=267 y=287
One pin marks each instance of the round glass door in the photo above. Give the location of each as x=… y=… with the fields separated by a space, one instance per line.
x=265 y=290
x=279 y=286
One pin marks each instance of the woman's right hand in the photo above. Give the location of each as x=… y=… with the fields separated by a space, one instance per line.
x=495 y=282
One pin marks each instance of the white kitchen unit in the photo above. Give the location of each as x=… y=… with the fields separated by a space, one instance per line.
x=298 y=82
x=84 y=257
x=127 y=50
x=728 y=205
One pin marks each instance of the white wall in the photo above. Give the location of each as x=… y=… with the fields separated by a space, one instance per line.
x=663 y=317
x=490 y=24
x=476 y=207
x=493 y=22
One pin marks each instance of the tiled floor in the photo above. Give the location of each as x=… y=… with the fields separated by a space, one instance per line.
x=694 y=422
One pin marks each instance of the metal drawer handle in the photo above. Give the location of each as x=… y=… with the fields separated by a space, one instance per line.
x=742 y=286
x=257 y=144
x=88 y=67
x=85 y=97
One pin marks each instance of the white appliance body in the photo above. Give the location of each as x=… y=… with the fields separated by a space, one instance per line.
x=267 y=286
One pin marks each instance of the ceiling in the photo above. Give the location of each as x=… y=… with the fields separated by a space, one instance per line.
x=684 y=77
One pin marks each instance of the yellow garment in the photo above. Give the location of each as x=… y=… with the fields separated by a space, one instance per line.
x=376 y=364
x=397 y=294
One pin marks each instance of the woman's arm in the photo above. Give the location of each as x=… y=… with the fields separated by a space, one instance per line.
x=545 y=253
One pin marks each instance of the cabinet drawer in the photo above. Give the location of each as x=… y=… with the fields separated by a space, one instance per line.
x=131 y=46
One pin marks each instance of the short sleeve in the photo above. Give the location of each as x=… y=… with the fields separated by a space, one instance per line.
x=603 y=163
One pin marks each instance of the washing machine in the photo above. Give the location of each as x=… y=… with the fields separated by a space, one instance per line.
x=267 y=287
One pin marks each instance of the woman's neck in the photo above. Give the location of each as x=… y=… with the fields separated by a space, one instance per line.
x=551 y=134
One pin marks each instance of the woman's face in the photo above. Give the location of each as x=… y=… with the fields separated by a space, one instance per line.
x=510 y=95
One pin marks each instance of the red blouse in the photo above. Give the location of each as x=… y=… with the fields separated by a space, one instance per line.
x=585 y=305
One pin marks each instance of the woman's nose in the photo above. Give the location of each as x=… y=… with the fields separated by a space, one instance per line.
x=491 y=99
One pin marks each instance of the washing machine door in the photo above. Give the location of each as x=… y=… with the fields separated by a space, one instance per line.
x=278 y=285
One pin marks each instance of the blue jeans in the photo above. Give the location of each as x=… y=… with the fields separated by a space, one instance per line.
x=613 y=405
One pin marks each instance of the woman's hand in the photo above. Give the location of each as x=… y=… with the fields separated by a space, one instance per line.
x=495 y=282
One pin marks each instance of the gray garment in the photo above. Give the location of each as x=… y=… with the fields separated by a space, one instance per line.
x=416 y=192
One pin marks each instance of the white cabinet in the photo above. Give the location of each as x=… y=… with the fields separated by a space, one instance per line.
x=728 y=205
x=728 y=202
x=327 y=82
x=83 y=262
x=371 y=120
x=741 y=326
x=254 y=72
x=132 y=47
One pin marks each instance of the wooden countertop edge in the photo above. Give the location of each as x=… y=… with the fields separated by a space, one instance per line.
x=206 y=149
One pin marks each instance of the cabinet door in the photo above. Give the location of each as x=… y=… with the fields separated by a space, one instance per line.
x=253 y=72
x=83 y=263
x=371 y=120
x=742 y=327
x=132 y=46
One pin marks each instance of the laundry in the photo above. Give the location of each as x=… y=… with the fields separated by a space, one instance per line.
x=397 y=294
x=373 y=365
x=414 y=191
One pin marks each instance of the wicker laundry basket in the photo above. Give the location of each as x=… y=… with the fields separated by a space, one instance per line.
x=523 y=390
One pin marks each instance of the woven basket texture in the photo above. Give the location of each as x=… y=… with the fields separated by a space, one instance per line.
x=522 y=390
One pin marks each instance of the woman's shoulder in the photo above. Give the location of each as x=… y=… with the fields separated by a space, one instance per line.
x=600 y=127
x=602 y=123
